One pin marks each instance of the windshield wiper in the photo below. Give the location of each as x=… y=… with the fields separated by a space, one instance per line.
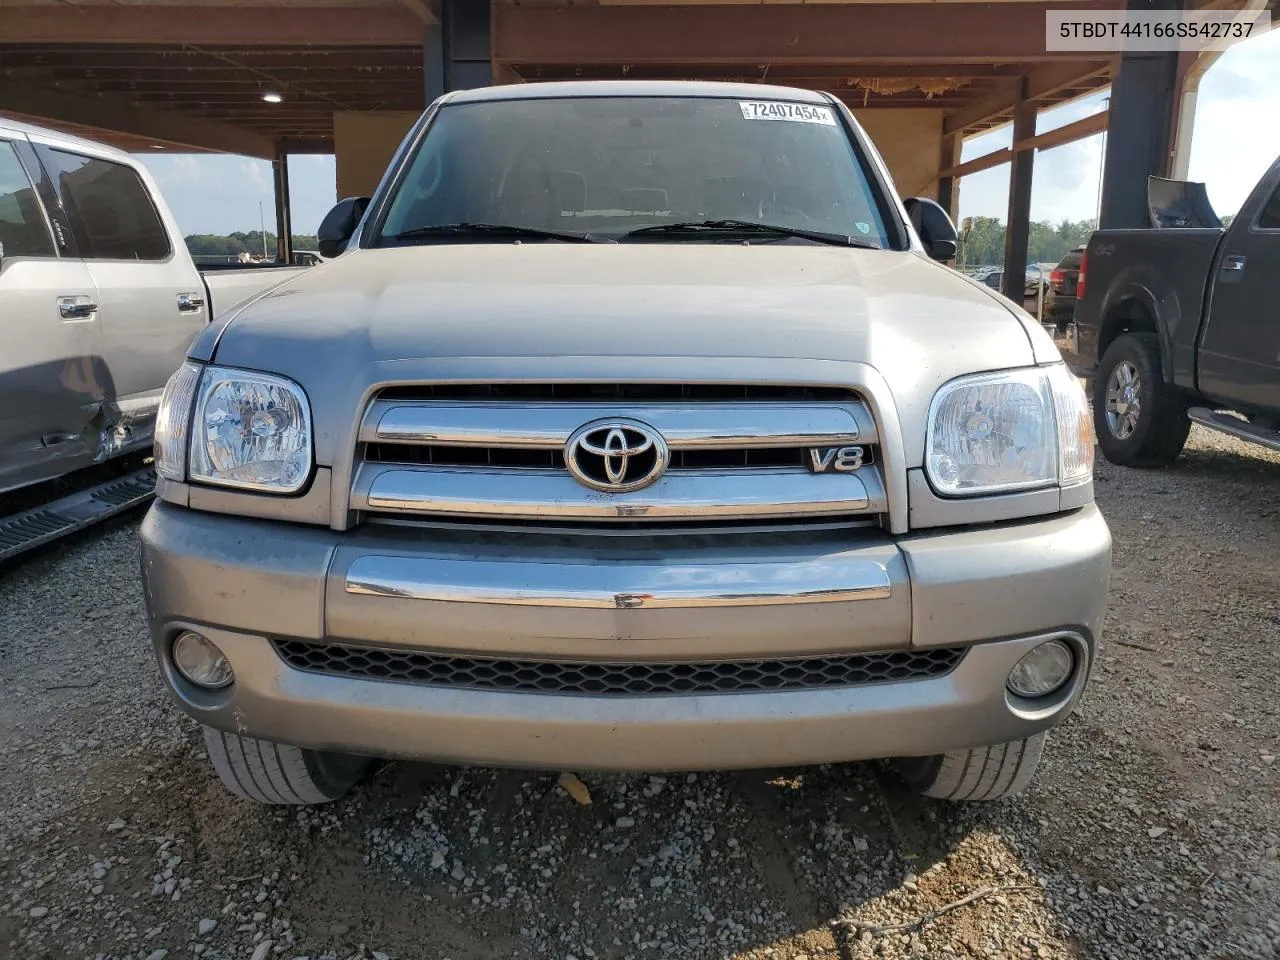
x=698 y=229
x=465 y=229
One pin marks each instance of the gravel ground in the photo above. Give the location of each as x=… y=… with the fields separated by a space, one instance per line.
x=1153 y=829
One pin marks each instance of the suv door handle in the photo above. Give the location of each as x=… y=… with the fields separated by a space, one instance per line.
x=76 y=308
x=1233 y=264
x=190 y=303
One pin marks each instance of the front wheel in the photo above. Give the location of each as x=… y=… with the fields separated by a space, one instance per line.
x=1140 y=420
x=983 y=773
x=275 y=773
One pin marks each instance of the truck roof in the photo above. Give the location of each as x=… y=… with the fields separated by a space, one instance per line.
x=635 y=88
x=80 y=143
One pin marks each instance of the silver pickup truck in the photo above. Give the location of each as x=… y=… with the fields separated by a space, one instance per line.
x=634 y=428
x=99 y=300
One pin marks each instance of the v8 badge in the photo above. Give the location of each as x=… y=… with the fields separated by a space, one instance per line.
x=837 y=459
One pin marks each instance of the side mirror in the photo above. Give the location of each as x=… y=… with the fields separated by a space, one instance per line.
x=339 y=224
x=932 y=223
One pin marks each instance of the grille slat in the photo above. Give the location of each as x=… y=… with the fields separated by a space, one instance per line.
x=736 y=451
x=441 y=455
x=616 y=679
x=617 y=392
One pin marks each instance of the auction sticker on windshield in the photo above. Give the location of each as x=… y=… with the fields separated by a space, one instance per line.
x=776 y=110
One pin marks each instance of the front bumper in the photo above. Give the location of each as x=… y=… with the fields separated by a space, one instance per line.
x=998 y=590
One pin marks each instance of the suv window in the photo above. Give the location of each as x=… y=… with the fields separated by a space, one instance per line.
x=610 y=165
x=1269 y=219
x=23 y=229
x=112 y=216
x=1071 y=261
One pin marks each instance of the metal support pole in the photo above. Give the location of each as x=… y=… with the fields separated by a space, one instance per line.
x=1141 y=129
x=284 y=226
x=1040 y=293
x=1018 y=230
x=949 y=187
x=433 y=68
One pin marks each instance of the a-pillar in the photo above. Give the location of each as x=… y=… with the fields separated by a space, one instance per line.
x=1141 y=128
x=284 y=225
x=1018 y=232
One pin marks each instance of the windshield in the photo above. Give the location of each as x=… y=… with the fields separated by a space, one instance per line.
x=608 y=166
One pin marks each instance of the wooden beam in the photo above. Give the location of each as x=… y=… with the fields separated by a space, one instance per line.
x=948 y=188
x=1017 y=232
x=1054 y=138
x=181 y=80
x=766 y=73
x=978 y=164
x=776 y=34
x=103 y=113
x=1069 y=133
x=293 y=146
x=197 y=62
x=212 y=26
x=1042 y=84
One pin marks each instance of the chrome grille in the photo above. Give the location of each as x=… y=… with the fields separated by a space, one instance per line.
x=747 y=458
x=497 y=451
x=618 y=392
x=617 y=679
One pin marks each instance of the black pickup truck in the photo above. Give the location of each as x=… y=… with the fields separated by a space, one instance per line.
x=1181 y=323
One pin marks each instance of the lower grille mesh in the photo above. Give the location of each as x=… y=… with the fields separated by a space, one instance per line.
x=617 y=679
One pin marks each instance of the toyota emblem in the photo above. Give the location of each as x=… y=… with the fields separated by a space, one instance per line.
x=616 y=455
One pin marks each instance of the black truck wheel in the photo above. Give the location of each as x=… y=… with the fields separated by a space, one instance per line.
x=274 y=773
x=1140 y=420
x=984 y=773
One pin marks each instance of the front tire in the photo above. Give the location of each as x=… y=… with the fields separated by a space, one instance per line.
x=1140 y=420
x=980 y=774
x=274 y=773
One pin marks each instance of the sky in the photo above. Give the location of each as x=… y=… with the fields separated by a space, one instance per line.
x=1236 y=138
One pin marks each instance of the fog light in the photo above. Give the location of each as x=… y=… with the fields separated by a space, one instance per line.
x=1043 y=670
x=199 y=660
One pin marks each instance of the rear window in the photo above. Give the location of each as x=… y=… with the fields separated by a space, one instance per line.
x=23 y=232
x=1071 y=261
x=1269 y=219
x=112 y=216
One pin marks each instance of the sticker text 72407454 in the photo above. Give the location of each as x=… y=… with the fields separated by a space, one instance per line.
x=778 y=110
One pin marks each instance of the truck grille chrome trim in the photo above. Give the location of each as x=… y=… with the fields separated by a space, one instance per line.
x=602 y=678
x=684 y=426
x=697 y=495
x=620 y=586
x=729 y=453
x=833 y=579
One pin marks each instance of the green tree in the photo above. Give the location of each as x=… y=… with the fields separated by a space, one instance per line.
x=1046 y=243
x=232 y=245
x=984 y=244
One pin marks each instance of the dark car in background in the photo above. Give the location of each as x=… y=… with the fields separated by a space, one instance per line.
x=993 y=277
x=1060 y=304
x=1177 y=323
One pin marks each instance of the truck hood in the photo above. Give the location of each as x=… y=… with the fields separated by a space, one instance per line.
x=721 y=312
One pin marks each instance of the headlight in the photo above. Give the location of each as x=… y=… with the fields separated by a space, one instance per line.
x=172 y=422
x=1075 y=428
x=1007 y=431
x=250 y=430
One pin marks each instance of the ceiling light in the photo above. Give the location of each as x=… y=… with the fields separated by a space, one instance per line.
x=272 y=97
